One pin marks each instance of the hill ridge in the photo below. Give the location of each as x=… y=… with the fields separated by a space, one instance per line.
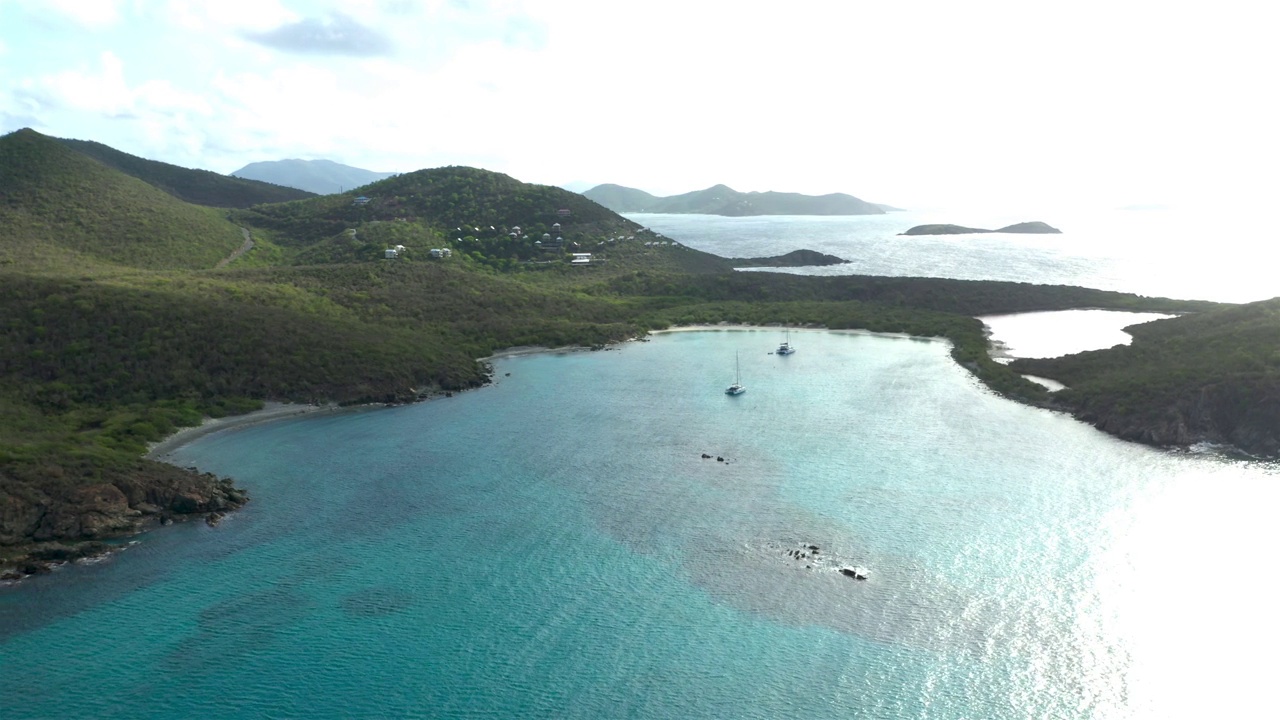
x=723 y=200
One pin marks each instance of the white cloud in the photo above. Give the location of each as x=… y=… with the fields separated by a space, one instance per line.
x=88 y=13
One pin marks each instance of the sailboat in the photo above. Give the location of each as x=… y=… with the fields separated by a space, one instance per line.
x=737 y=388
x=785 y=348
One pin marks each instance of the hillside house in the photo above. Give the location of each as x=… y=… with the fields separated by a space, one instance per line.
x=391 y=254
x=563 y=212
x=580 y=259
x=362 y=200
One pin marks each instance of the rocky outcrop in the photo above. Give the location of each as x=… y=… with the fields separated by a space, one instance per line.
x=1241 y=416
x=44 y=521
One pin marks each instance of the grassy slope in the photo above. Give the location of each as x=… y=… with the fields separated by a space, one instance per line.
x=199 y=187
x=62 y=209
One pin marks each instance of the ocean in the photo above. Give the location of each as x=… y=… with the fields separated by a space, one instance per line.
x=1215 y=255
x=556 y=545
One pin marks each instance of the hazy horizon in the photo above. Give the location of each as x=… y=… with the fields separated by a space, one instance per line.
x=917 y=104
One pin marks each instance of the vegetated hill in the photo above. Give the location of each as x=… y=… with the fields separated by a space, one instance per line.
x=795 y=258
x=322 y=177
x=61 y=208
x=1027 y=228
x=482 y=216
x=724 y=200
x=1213 y=376
x=623 y=199
x=199 y=187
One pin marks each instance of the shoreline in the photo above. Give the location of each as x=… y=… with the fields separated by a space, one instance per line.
x=162 y=450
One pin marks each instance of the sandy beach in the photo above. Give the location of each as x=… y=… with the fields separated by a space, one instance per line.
x=163 y=450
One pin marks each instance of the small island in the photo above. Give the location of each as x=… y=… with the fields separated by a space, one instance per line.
x=1023 y=228
x=795 y=258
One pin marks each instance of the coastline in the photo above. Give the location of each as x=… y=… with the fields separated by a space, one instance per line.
x=162 y=451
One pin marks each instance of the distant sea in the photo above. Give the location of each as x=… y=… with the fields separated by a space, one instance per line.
x=1221 y=255
x=556 y=545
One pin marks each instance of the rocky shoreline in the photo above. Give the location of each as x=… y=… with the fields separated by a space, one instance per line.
x=40 y=531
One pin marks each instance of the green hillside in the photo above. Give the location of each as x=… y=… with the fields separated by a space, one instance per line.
x=62 y=209
x=487 y=219
x=1213 y=376
x=199 y=187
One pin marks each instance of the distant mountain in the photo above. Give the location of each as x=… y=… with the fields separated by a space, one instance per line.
x=201 y=187
x=1025 y=228
x=323 y=177
x=724 y=200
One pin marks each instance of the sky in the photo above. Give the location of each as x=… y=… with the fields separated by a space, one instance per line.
x=914 y=104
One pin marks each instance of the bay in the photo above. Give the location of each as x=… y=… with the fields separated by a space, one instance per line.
x=555 y=545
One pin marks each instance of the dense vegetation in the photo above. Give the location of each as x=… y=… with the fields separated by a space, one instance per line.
x=1211 y=376
x=724 y=200
x=118 y=325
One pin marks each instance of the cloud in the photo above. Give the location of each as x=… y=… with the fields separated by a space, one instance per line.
x=336 y=34
x=89 y=13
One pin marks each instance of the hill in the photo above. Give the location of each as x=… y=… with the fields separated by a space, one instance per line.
x=481 y=216
x=1027 y=228
x=322 y=177
x=724 y=200
x=199 y=187
x=61 y=208
x=795 y=258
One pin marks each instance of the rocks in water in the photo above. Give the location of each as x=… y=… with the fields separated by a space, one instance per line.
x=856 y=573
x=706 y=456
x=213 y=518
x=719 y=459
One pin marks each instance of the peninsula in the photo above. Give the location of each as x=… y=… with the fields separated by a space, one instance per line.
x=132 y=311
x=724 y=200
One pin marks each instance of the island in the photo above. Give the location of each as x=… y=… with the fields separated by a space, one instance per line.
x=139 y=300
x=795 y=258
x=1024 y=228
x=724 y=200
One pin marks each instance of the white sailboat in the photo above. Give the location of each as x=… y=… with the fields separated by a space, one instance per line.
x=737 y=388
x=785 y=348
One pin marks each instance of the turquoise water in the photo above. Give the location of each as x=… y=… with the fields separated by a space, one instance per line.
x=555 y=546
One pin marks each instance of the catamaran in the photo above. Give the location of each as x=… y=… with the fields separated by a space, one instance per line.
x=785 y=348
x=737 y=388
